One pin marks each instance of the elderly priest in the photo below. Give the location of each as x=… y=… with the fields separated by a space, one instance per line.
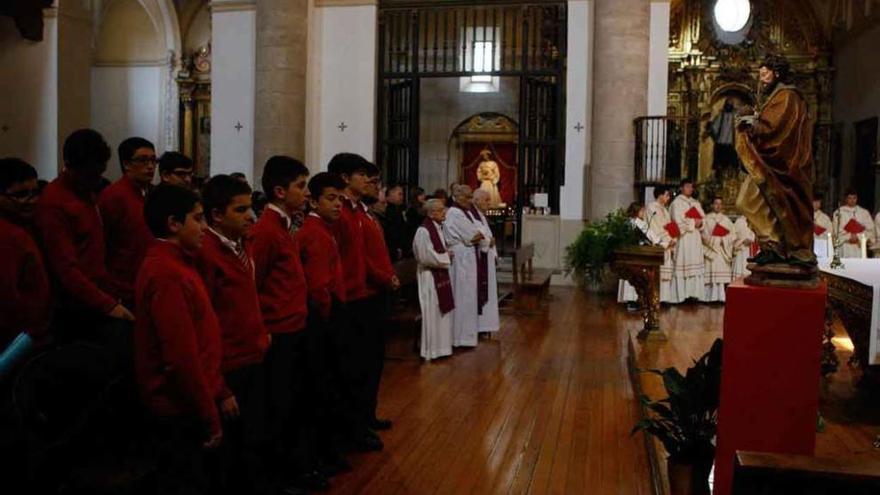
x=435 y=286
x=464 y=238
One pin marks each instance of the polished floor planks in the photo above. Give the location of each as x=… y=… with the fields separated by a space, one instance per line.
x=543 y=407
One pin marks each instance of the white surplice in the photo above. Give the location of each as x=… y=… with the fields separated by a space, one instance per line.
x=841 y=218
x=658 y=219
x=742 y=247
x=718 y=255
x=459 y=229
x=823 y=239
x=688 y=265
x=489 y=319
x=436 y=327
x=625 y=291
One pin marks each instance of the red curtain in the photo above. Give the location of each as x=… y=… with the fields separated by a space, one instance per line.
x=504 y=154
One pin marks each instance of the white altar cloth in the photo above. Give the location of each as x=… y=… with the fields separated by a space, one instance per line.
x=865 y=272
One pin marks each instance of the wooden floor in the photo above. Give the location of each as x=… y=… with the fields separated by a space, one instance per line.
x=545 y=406
x=852 y=414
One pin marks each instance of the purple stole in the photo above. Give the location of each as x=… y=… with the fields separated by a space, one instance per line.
x=482 y=262
x=442 y=284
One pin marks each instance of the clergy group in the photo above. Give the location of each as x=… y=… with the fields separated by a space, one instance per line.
x=703 y=252
x=850 y=232
x=255 y=344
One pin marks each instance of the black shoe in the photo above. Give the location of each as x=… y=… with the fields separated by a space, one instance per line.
x=766 y=257
x=293 y=490
x=380 y=424
x=313 y=481
x=332 y=465
x=368 y=443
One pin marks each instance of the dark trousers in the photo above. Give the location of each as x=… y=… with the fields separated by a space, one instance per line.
x=183 y=467
x=374 y=345
x=244 y=437
x=111 y=335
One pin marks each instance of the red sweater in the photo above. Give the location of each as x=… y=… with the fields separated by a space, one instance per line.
x=25 y=302
x=176 y=338
x=380 y=271
x=322 y=264
x=126 y=233
x=233 y=294
x=69 y=225
x=281 y=283
x=349 y=233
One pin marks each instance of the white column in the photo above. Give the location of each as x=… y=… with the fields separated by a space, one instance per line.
x=29 y=106
x=233 y=39
x=346 y=78
x=658 y=58
x=578 y=108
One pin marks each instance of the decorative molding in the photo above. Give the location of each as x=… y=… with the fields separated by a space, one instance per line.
x=232 y=5
x=130 y=63
x=345 y=3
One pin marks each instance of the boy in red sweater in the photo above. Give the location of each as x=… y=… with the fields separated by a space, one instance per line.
x=227 y=269
x=25 y=307
x=70 y=227
x=122 y=211
x=178 y=343
x=175 y=169
x=281 y=284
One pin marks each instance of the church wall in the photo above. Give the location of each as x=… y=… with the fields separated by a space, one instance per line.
x=347 y=83
x=443 y=107
x=75 y=34
x=29 y=106
x=127 y=102
x=856 y=96
x=233 y=91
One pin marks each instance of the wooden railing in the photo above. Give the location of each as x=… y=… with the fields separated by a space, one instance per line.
x=666 y=149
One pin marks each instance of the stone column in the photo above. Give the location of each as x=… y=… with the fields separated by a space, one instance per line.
x=282 y=56
x=620 y=90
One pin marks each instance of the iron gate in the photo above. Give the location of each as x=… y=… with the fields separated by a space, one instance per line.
x=450 y=38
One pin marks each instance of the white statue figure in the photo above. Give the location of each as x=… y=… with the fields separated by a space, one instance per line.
x=489 y=174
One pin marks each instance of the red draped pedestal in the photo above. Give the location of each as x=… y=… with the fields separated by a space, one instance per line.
x=770 y=373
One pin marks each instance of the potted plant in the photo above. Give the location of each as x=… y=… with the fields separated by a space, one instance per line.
x=588 y=257
x=686 y=421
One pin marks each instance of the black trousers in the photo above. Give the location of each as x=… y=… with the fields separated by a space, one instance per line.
x=374 y=346
x=243 y=438
x=183 y=467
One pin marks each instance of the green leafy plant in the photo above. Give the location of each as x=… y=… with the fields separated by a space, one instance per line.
x=686 y=421
x=589 y=255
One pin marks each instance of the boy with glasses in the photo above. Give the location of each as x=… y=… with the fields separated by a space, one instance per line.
x=25 y=309
x=176 y=169
x=122 y=211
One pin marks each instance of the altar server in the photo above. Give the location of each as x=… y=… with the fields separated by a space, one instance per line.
x=718 y=240
x=463 y=237
x=488 y=317
x=688 y=267
x=663 y=228
x=853 y=226
x=636 y=214
x=435 y=287
x=743 y=247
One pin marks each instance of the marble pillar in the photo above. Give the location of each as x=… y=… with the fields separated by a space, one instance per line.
x=620 y=89
x=282 y=57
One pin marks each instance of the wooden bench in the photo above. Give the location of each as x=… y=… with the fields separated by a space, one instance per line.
x=779 y=474
x=530 y=285
x=406 y=315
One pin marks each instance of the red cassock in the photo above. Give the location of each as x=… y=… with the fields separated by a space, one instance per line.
x=25 y=301
x=349 y=234
x=69 y=226
x=719 y=231
x=693 y=213
x=853 y=227
x=322 y=264
x=126 y=234
x=279 y=275
x=233 y=293
x=177 y=346
x=673 y=230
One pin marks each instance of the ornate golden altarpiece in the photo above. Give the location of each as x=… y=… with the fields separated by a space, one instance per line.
x=194 y=88
x=704 y=72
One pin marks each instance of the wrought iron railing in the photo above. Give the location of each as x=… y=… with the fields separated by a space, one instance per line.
x=666 y=149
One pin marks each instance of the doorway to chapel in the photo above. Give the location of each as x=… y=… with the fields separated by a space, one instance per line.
x=474 y=94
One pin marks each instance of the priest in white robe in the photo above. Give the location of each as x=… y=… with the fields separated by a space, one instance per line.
x=823 y=228
x=488 y=317
x=435 y=287
x=743 y=247
x=463 y=237
x=688 y=265
x=718 y=240
x=853 y=228
x=664 y=229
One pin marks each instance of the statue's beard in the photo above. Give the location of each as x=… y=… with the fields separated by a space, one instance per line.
x=767 y=89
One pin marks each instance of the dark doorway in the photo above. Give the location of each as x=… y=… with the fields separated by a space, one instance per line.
x=865 y=159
